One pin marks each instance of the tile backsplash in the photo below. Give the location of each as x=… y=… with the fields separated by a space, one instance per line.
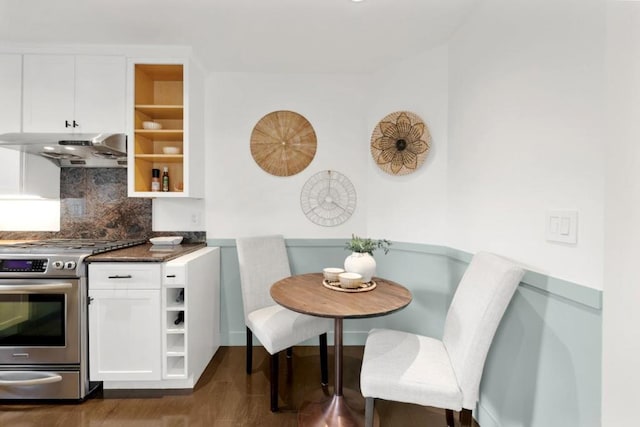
x=94 y=205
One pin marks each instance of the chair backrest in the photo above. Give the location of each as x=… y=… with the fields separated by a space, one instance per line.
x=473 y=317
x=263 y=261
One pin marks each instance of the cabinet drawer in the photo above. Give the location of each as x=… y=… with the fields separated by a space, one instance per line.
x=124 y=275
x=174 y=275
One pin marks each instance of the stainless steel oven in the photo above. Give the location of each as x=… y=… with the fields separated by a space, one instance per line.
x=39 y=321
x=43 y=318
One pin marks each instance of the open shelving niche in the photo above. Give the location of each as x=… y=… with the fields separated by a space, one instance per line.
x=175 y=336
x=159 y=97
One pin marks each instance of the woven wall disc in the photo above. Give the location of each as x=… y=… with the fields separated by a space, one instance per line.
x=283 y=143
x=400 y=143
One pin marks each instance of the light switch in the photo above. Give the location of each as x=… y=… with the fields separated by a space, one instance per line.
x=562 y=226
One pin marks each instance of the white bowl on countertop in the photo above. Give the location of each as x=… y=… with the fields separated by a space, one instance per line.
x=166 y=240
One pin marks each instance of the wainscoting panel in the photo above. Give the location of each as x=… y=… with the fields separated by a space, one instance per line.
x=544 y=367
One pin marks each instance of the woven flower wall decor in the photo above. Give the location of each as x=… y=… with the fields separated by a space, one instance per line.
x=400 y=143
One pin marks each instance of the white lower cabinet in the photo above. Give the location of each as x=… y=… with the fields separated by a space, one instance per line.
x=154 y=325
x=125 y=335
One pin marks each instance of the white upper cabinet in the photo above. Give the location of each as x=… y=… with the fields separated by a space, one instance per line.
x=67 y=93
x=10 y=100
x=100 y=102
x=10 y=97
x=20 y=173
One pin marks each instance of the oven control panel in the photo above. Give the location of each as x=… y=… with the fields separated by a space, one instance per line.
x=36 y=265
x=17 y=266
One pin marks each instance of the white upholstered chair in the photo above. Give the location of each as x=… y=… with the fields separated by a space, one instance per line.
x=263 y=261
x=445 y=373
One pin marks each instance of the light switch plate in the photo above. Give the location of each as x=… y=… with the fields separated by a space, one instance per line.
x=562 y=226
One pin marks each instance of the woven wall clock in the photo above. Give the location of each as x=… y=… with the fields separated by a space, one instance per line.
x=400 y=143
x=328 y=198
x=283 y=143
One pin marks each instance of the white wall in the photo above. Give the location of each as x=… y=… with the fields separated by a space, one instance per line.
x=621 y=317
x=526 y=132
x=410 y=208
x=242 y=199
x=515 y=107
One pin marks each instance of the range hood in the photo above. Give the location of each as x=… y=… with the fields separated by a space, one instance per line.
x=89 y=150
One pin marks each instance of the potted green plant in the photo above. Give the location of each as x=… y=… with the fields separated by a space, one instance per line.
x=366 y=245
x=361 y=260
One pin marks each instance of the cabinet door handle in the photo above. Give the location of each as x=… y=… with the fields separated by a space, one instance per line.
x=75 y=124
x=126 y=276
x=67 y=124
x=171 y=275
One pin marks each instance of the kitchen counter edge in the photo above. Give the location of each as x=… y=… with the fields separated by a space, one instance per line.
x=146 y=253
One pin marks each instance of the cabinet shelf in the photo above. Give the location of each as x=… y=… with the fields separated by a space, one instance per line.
x=175 y=366
x=162 y=134
x=159 y=158
x=154 y=111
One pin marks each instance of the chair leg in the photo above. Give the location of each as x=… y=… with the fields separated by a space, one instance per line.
x=449 y=414
x=274 y=382
x=368 y=411
x=324 y=370
x=289 y=352
x=465 y=417
x=249 y=350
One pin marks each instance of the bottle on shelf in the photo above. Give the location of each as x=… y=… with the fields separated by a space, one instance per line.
x=180 y=297
x=155 y=179
x=179 y=318
x=165 y=179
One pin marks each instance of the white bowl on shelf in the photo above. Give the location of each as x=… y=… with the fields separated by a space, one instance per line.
x=171 y=150
x=151 y=125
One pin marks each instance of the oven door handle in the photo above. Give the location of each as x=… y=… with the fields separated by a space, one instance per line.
x=24 y=378
x=35 y=288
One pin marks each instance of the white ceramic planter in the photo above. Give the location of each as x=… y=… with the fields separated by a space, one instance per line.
x=361 y=263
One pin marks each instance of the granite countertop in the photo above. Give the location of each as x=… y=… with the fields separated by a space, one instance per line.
x=146 y=253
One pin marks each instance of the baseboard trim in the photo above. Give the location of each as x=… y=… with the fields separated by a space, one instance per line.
x=484 y=418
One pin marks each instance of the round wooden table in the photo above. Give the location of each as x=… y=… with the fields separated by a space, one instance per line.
x=306 y=294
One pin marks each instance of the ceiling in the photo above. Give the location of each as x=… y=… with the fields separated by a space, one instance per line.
x=247 y=35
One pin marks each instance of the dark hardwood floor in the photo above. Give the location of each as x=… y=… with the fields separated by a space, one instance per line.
x=224 y=396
